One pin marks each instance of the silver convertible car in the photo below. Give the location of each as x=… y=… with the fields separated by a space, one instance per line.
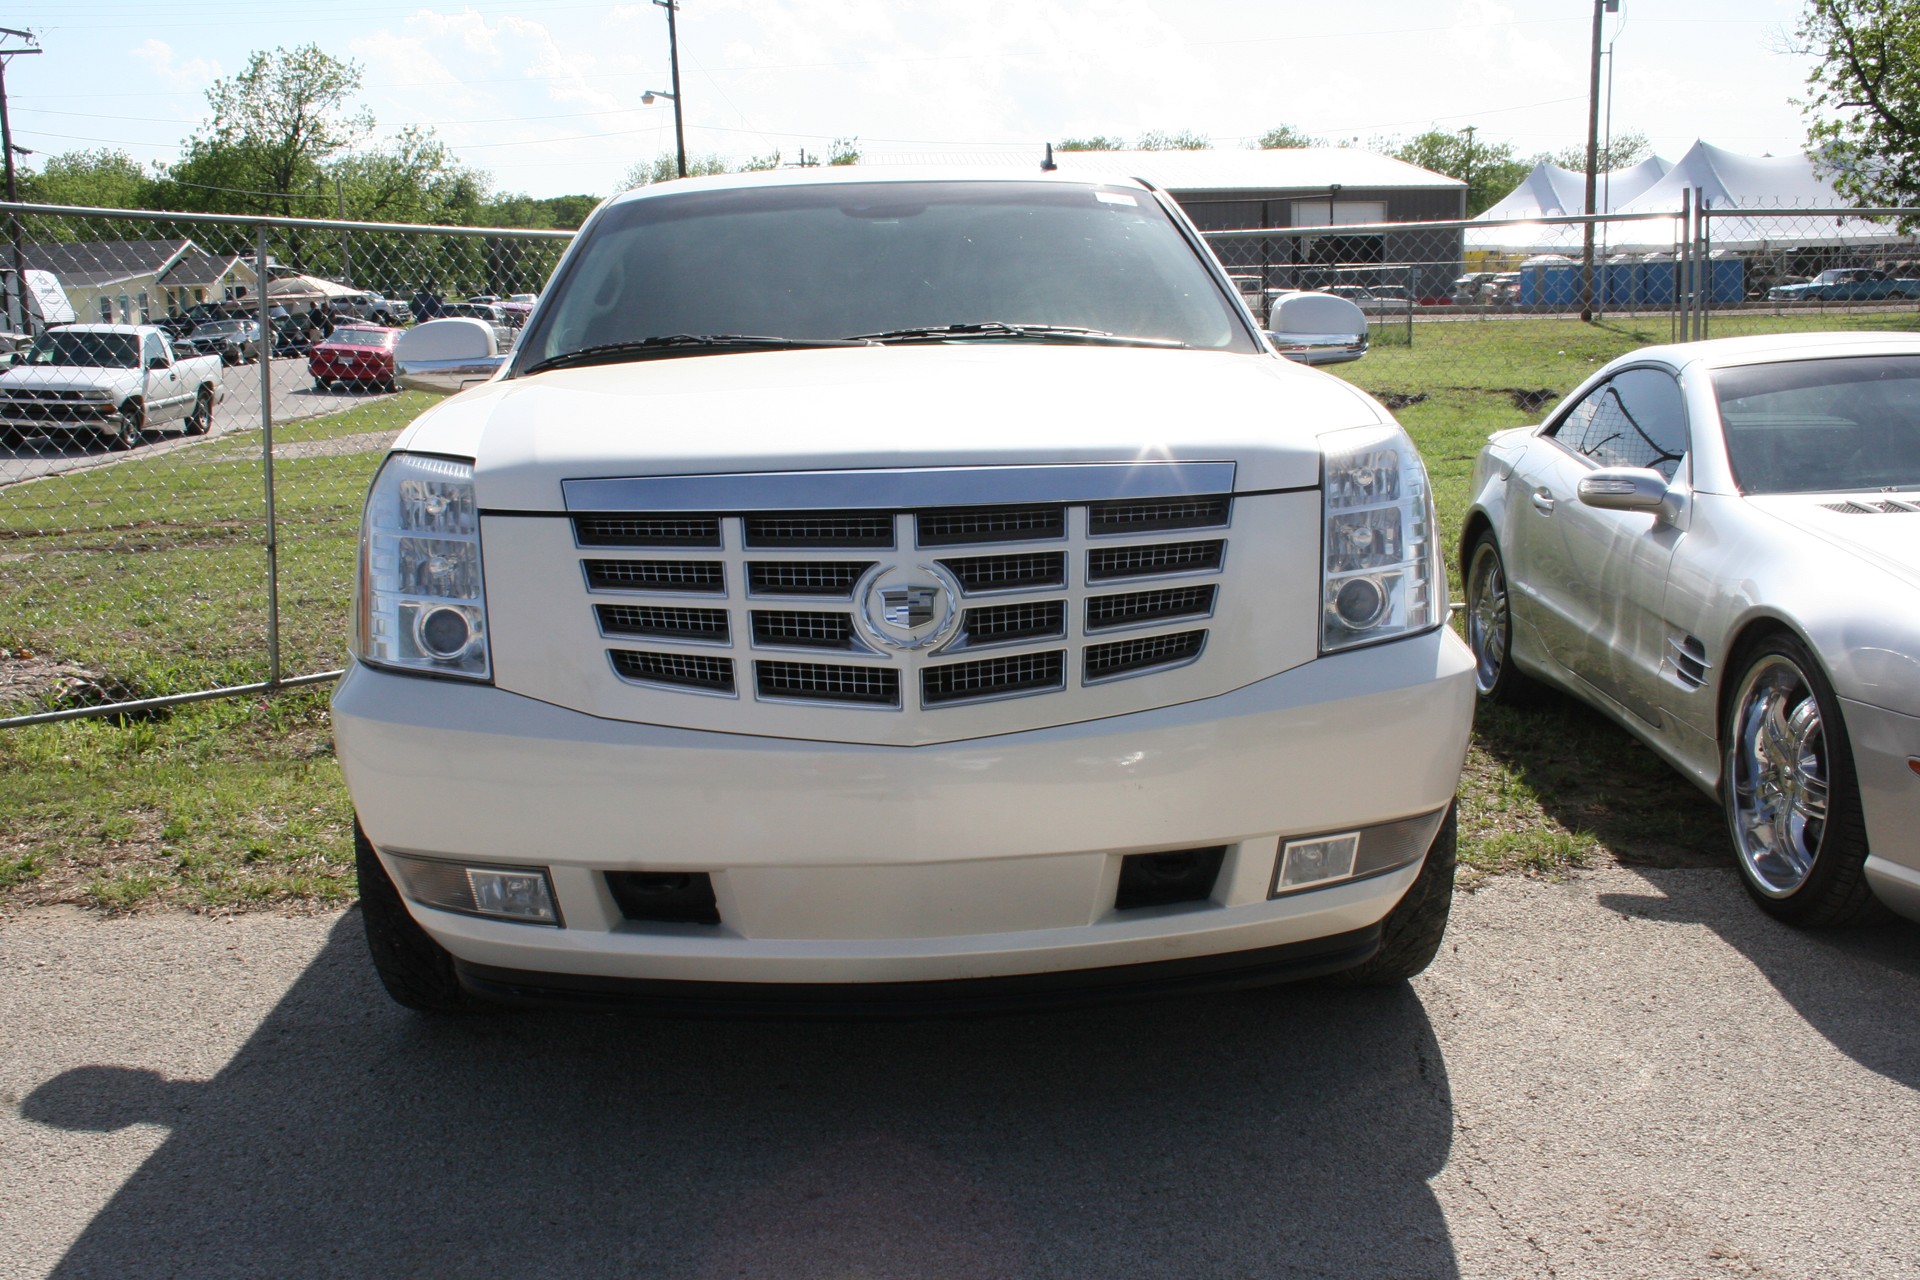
x=1718 y=544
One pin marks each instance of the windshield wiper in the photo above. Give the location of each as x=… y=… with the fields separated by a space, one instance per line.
x=1002 y=329
x=679 y=344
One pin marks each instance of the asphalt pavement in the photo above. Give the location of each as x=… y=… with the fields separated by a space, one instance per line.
x=293 y=397
x=1631 y=1073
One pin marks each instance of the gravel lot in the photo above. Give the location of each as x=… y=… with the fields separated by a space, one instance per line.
x=1629 y=1074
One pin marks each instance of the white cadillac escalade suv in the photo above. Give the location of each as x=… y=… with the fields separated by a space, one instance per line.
x=883 y=594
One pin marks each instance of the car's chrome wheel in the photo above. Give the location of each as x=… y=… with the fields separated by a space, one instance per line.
x=1778 y=773
x=1489 y=623
x=1792 y=805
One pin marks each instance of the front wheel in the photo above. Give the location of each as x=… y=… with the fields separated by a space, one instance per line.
x=1490 y=626
x=200 y=421
x=1410 y=935
x=1791 y=799
x=416 y=971
x=131 y=432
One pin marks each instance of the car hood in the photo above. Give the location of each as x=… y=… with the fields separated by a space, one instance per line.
x=1881 y=529
x=59 y=377
x=892 y=406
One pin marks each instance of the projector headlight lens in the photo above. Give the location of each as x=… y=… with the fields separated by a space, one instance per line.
x=1381 y=576
x=422 y=605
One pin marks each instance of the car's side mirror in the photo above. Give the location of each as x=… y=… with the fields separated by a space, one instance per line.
x=1624 y=489
x=446 y=356
x=1316 y=328
x=157 y=362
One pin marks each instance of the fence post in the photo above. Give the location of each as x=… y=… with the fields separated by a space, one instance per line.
x=261 y=279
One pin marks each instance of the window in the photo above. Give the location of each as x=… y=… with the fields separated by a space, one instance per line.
x=126 y=309
x=155 y=346
x=1635 y=419
x=106 y=310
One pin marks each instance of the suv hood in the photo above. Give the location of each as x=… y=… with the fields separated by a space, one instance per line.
x=957 y=404
x=59 y=377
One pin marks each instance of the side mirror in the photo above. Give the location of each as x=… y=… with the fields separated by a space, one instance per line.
x=1317 y=328
x=157 y=362
x=446 y=356
x=1624 y=489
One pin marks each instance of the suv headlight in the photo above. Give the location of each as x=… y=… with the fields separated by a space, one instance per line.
x=1380 y=576
x=421 y=607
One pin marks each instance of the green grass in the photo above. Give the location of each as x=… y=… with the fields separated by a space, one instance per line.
x=150 y=575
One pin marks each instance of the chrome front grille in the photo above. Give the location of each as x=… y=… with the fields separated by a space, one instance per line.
x=870 y=609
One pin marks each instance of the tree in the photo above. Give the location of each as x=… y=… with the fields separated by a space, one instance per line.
x=665 y=168
x=272 y=128
x=1160 y=140
x=1098 y=142
x=1622 y=151
x=1283 y=136
x=1490 y=170
x=103 y=179
x=1863 y=105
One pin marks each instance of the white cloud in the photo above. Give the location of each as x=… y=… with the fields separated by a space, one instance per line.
x=165 y=66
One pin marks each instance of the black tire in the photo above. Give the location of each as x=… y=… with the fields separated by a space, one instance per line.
x=200 y=421
x=1410 y=936
x=416 y=971
x=130 y=433
x=1489 y=627
x=1788 y=790
x=321 y=385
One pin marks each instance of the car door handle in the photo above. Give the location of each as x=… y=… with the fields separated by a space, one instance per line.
x=1542 y=501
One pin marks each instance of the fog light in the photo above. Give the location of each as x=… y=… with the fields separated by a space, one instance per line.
x=1305 y=862
x=500 y=893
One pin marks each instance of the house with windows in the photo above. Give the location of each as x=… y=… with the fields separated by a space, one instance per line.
x=140 y=281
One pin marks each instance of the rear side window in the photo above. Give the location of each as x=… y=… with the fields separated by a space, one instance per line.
x=1635 y=419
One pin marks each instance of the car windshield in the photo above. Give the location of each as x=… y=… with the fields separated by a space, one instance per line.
x=360 y=338
x=217 y=328
x=840 y=260
x=89 y=350
x=1816 y=426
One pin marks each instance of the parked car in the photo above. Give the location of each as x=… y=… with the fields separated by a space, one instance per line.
x=528 y=298
x=1371 y=301
x=369 y=308
x=1847 y=284
x=234 y=341
x=1467 y=289
x=1715 y=544
x=358 y=356
x=504 y=332
x=1503 y=290
x=755 y=637
x=110 y=382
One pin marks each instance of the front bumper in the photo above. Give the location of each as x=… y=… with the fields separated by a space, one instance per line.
x=842 y=863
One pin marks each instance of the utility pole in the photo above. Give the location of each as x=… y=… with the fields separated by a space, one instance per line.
x=1600 y=9
x=1466 y=163
x=673 y=57
x=18 y=312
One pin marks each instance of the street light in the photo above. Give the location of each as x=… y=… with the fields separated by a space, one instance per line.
x=673 y=57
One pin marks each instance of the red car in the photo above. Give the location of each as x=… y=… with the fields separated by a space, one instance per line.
x=354 y=355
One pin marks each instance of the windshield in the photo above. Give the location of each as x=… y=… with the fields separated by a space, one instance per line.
x=839 y=260
x=1815 y=426
x=360 y=338
x=90 y=350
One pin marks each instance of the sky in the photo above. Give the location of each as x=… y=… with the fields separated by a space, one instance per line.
x=546 y=98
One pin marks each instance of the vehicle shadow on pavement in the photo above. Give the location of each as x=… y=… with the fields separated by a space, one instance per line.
x=1288 y=1131
x=1858 y=987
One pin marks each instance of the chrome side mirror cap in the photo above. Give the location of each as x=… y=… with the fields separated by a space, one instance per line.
x=446 y=356
x=1316 y=328
x=1624 y=489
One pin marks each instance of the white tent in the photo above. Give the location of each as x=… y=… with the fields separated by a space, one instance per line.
x=1552 y=192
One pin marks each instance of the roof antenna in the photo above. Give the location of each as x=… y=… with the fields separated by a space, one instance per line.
x=1047 y=165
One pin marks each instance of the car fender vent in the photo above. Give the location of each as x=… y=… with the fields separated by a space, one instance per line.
x=664 y=897
x=1164 y=879
x=1687 y=660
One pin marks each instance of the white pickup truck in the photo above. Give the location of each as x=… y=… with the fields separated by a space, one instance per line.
x=897 y=593
x=111 y=382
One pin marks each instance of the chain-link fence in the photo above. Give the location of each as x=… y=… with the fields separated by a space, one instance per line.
x=180 y=522
x=179 y=504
